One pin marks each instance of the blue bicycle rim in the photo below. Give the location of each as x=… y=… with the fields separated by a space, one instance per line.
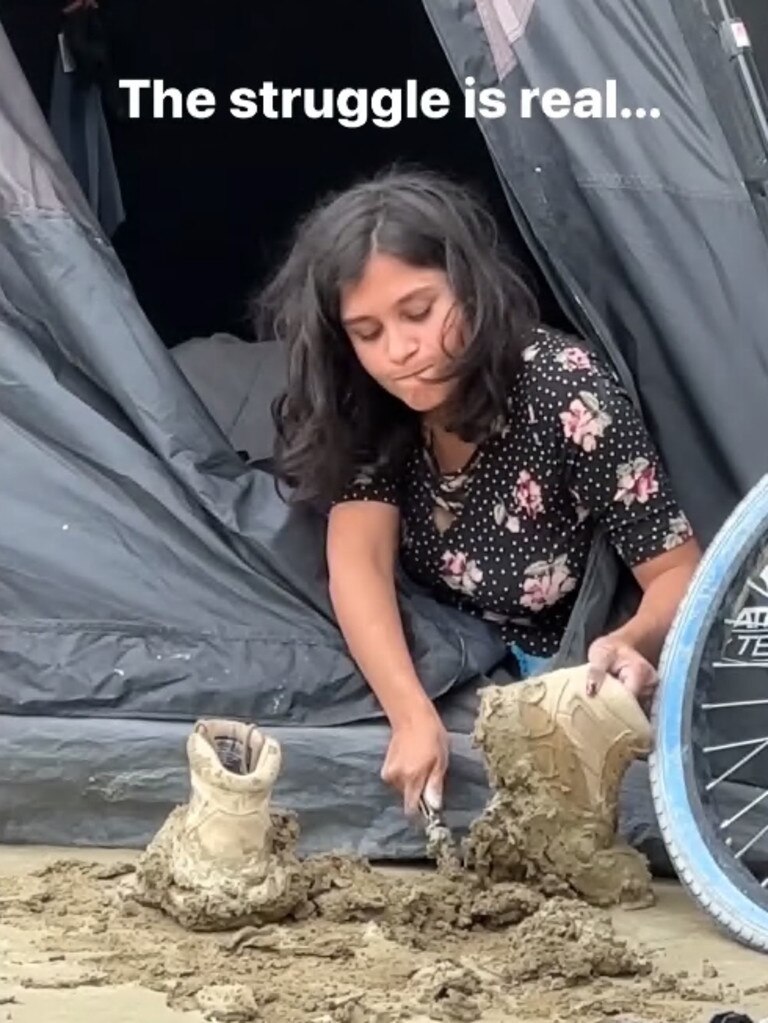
x=699 y=857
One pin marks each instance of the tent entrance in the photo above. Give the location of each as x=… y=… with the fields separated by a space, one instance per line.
x=210 y=203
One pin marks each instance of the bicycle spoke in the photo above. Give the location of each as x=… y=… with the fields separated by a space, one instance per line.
x=735 y=745
x=758 y=589
x=751 y=842
x=736 y=766
x=740 y=664
x=735 y=703
x=744 y=810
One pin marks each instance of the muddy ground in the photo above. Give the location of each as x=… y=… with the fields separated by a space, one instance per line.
x=69 y=952
x=516 y=928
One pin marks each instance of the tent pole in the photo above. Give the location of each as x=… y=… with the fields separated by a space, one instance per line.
x=735 y=39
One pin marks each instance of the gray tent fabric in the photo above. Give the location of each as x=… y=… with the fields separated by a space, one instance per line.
x=79 y=125
x=646 y=229
x=146 y=571
x=148 y=576
x=237 y=381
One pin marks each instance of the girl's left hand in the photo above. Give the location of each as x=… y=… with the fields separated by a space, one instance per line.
x=613 y=656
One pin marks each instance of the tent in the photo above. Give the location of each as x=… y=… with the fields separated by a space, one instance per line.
x=149 y=574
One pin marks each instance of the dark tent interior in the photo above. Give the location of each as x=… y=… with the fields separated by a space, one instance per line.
x=210 y=203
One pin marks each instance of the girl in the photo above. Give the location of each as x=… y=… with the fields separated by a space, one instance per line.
x=445 y=426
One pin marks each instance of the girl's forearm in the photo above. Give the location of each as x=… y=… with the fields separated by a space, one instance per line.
x=647 y=630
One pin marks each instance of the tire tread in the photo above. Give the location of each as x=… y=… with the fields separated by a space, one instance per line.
x=714 y=903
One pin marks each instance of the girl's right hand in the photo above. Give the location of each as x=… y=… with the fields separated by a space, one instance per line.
x=417 y=760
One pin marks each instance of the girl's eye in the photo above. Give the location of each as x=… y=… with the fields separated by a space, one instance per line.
x=419 y=315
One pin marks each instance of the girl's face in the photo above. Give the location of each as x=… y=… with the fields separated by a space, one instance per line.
x=404 y=325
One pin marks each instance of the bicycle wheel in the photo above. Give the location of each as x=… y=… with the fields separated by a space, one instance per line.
x=709 y=767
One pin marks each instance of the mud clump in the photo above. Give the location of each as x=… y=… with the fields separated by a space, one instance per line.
x=371 y=948
x=345 y=890
x=553 y=815
x=449 y=991
x=267 y=936
x=279 y=892
x=566 y=939
x=338 y=889
x=228 y=1003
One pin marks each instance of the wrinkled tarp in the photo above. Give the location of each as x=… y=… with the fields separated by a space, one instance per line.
x=645 y=229
x=146 y=571
x=111 y=783
x=237 y=381
x=79 y=125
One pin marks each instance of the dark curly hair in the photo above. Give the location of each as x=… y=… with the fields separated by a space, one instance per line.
x=333 y=418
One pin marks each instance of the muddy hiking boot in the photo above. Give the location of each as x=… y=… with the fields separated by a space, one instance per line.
x=584 y=743
x=556 y=758
x=233 y=768
x=581 y=744
x=215 y=862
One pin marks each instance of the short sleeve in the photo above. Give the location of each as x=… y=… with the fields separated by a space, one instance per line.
x=371 y=485
x=612 y=468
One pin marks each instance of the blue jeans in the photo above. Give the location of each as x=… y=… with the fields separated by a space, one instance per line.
x=530 y=665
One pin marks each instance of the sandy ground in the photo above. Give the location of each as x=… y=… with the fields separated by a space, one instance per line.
x=680 y=938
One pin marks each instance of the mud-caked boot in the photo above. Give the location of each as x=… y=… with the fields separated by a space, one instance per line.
x=583 y=744
x=215 y=862
x=227 y=834
x=557 y=758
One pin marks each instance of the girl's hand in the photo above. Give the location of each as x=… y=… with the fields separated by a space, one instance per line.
x=417 y=760
x=613 y=656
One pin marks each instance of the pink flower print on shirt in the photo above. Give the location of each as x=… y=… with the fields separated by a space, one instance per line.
x=636 y=482
x=528 y=494
x=573 y=358
x=547 y=582
x=460 y=573
x=503 y=517
x=585 y=421
x=582 y=512
x=680 y=530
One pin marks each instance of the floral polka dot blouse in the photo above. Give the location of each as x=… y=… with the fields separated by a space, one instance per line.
x=508 y=536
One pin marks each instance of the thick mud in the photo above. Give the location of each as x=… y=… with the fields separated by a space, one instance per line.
x=553 y=815
x=373 y=949
x=515 y=928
